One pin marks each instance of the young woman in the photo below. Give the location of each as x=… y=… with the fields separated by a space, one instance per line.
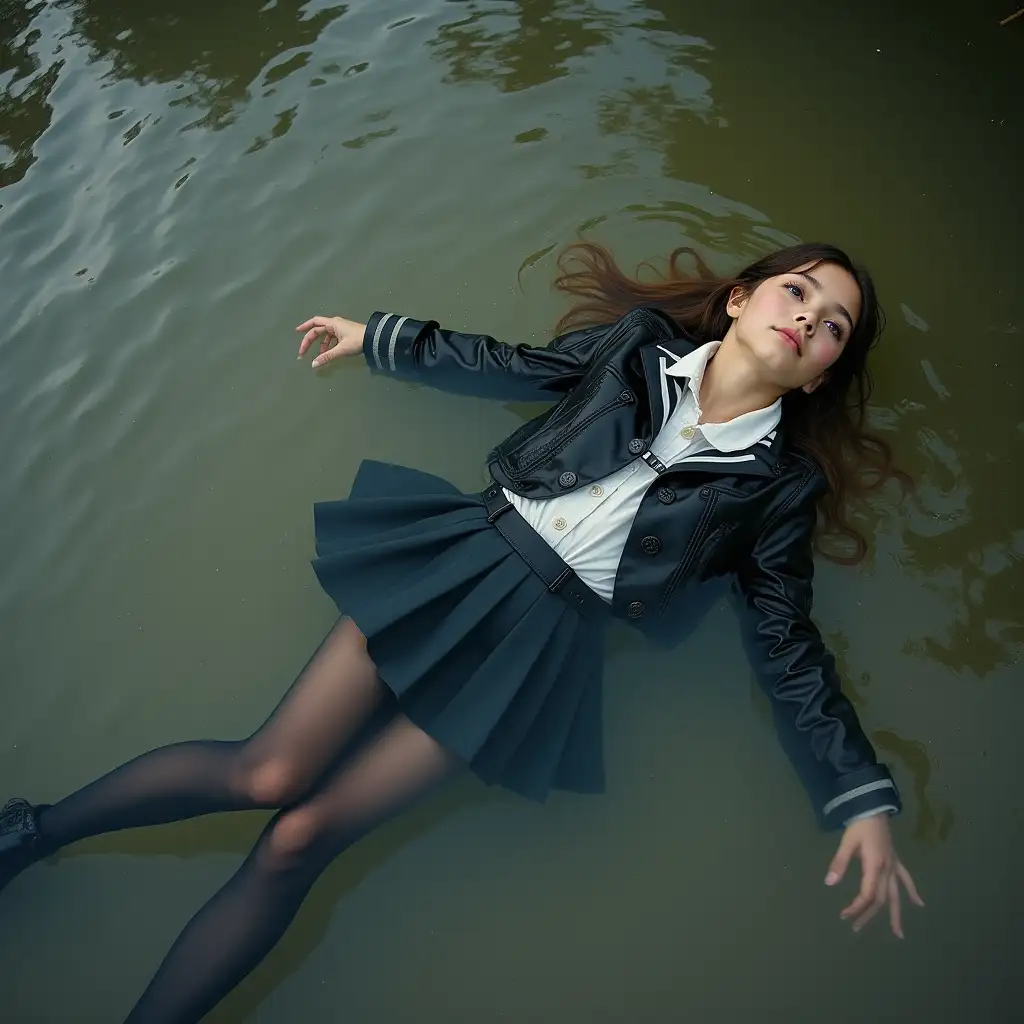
x=700 y=427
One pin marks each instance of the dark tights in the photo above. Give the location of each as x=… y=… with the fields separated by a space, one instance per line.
x=286 y=764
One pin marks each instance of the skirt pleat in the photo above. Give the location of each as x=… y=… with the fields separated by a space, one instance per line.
x=476 y=649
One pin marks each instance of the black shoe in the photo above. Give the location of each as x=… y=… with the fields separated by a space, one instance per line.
x=20 y=842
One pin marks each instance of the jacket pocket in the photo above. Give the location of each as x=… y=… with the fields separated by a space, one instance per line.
x=572 y=428
x=700 y=547
x=565 y=410
x=710 y=548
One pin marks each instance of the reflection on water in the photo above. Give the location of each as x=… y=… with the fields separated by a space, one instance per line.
x=520 y=46
x=214 y=52
x=933 y=822
x=179 y=181
x=24 y=111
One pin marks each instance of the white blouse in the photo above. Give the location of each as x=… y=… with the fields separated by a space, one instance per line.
x=589 y=527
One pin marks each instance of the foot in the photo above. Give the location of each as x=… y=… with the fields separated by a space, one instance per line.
x=20 y=842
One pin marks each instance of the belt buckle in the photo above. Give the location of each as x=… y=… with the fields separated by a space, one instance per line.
x=560 y=580
x=498 y=511
x=491 y=495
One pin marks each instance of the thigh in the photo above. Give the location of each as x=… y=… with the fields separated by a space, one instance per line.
x=332 y=698
x=399 y=765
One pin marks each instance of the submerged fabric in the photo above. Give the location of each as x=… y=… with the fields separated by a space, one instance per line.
x=479 y=653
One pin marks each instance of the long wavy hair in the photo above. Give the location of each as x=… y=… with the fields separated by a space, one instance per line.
x=829 y=424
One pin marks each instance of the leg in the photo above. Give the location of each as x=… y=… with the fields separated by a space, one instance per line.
x=332 y=697
x=241 y=923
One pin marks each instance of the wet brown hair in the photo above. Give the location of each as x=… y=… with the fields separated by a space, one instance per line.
x=829 y=424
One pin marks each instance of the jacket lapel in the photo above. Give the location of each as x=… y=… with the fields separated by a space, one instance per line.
x=665 y=392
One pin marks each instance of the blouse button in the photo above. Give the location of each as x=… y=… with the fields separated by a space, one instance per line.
x=635 y=609
x=637 y=445
x=687 y=432
x=559 y=523
x=567 y=479
x=597 y=490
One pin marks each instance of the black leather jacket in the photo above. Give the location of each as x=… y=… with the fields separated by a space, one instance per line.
x=749 y=515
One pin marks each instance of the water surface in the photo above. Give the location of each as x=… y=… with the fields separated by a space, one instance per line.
x=181 y=182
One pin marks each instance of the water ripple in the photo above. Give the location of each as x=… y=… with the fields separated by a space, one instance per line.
x=181 y=184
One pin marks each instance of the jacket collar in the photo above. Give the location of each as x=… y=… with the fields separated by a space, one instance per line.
x=665 y=394
x=738 y=433
x=667 y=367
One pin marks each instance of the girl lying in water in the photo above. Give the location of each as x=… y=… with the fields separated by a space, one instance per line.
x=700 y=427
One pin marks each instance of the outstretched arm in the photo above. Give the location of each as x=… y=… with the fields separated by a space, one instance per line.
x=469 y=364
x=817 y=724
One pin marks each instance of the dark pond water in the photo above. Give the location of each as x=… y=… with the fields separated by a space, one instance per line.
x=183 y=181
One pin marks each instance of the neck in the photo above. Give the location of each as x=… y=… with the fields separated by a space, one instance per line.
x=733 y=386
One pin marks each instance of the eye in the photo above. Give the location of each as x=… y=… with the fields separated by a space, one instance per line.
x=794 y=289
x=836 y=330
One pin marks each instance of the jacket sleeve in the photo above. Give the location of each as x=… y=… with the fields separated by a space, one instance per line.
x=816 y=723
x=476 y=364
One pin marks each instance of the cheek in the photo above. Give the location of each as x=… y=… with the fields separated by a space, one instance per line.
x=768 y=306
x=825 y=355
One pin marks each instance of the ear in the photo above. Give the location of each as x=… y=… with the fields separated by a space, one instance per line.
x=736 y=301
x=813 y=385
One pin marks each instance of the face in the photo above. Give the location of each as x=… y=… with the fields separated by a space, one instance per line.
x=795 y=325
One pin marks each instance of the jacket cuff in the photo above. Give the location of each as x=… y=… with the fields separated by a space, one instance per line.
x=858 y=794
x=388 y=341
x=887 y=809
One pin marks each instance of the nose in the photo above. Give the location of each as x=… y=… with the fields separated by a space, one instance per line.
x=806 y=323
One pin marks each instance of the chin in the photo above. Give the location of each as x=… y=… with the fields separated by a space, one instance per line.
x=776 y=357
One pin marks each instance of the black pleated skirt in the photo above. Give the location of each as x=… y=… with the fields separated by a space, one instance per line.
x=466 y=629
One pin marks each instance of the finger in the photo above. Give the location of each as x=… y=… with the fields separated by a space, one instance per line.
x=868 y=888
x=309 y=337
x=326 y=357
x=904 y=876
x=841 y=861
x=313 y=321
x=894 y=907
x=867 y=915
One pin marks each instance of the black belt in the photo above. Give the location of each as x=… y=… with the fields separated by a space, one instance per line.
x=540 y=556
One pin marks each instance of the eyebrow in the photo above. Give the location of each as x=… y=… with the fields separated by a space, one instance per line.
x=839 y=306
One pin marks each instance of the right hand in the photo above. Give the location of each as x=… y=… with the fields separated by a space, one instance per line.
x=338 y=337
x=882 y=874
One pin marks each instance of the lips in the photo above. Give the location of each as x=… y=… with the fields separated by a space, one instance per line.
x=791 y=336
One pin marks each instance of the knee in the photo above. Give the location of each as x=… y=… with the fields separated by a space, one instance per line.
x=274 y=782
x=292 y=839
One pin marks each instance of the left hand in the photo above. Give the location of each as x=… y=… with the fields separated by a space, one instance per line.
x=338 y=337
x=882 y=874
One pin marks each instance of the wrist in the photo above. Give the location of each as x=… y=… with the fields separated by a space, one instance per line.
x=356 y=339
x=871 y=821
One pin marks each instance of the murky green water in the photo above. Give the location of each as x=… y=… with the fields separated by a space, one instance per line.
x=184 y=181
